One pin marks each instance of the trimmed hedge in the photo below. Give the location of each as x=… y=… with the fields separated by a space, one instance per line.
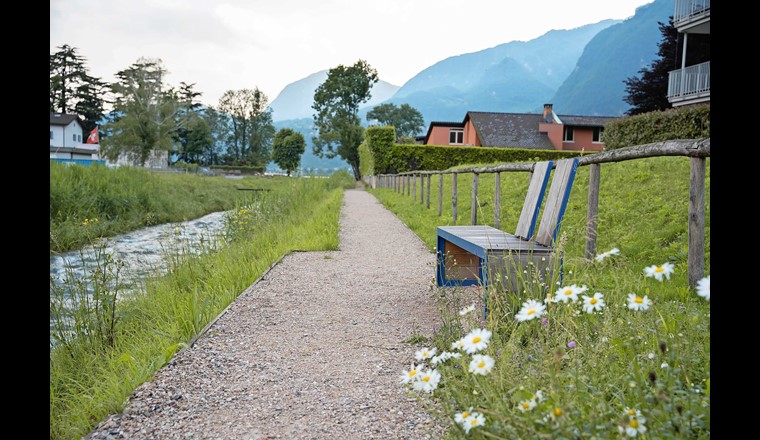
x=242 y=169
x=366 y=161
x=380 y=140
x=678 y=123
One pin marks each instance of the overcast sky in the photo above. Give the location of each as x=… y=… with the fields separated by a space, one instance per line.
x=234 y=44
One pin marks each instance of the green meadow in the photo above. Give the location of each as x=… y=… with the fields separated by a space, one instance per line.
x=608 y=352
x=123 y=341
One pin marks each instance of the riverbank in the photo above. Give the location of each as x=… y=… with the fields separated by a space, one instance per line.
x=90 y=202
x=92 y=378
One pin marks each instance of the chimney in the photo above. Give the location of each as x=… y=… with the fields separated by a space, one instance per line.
x=548 y=113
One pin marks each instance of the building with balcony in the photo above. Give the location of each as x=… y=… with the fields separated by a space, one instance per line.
x=691 y=83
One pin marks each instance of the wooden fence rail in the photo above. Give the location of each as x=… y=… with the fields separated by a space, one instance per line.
x=696 y=149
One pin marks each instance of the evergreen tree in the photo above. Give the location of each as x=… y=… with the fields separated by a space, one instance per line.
x=649 y=91
x=73 y=90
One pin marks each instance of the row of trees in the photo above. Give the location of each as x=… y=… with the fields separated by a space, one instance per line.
x=146 y=114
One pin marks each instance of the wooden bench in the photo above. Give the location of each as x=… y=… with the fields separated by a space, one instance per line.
x=478 y=255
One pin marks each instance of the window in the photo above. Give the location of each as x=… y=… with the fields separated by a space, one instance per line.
x=456 y=136
x=74 y=137
x=51 y=135
x=568 y=134
x=79 y=138
x=598 y=135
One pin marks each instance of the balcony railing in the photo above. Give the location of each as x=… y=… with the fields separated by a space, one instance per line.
x=686 y=9
x=691 y=81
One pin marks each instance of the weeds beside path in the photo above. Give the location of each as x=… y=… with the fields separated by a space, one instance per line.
x=313 y=350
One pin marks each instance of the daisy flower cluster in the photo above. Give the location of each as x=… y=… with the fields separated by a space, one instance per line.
x=426 y=379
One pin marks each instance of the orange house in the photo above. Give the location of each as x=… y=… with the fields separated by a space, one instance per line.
x=547 y=131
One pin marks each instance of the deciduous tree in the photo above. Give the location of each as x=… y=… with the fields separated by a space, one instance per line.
x=336 y=102
x=407 y=120
x=287 y=149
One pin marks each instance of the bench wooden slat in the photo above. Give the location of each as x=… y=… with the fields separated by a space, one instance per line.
x=556 y=201
x=539 y=178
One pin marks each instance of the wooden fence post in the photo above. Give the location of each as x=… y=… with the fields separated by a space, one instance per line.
x=440 y=194
x=408 y=185
x=454 y=197
x=422 y=189
x=696 y=252
x=474 y=204
x=414 y=190
x=497 y=201
x=428 y=192
x=592 y=214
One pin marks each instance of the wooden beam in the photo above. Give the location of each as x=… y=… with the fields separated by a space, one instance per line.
x=474 y=204
x=592 y=214
x=696 y=252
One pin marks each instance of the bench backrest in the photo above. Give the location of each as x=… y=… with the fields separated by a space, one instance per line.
x=556 y=201
x=526 y=225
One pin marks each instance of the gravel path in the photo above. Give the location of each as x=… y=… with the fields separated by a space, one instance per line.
x=312 y=351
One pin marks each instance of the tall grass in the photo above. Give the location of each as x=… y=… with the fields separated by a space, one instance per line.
x=104 y=201
x=600 y=375
x=89 y=381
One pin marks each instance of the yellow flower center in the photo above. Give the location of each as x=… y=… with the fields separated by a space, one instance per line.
x=526 y=405
x=482 y=364
x=631 y=412
x=531 y=311
x=659 y=269
x=593 y=301
x=633 y=423
x=474 y=422
x=476 y=339
x=412 y=373
x=568 y=292
x=557 y=411
x=465 y=414
x=426 y=378
x=638 y=300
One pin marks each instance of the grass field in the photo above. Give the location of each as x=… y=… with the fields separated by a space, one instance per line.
x=544 y=367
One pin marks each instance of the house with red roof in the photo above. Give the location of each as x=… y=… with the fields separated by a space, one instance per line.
x=546 y=131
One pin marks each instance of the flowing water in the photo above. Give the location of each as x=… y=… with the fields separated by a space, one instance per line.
x=139 y=253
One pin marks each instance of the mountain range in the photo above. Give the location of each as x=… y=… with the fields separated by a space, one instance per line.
x=581 y=71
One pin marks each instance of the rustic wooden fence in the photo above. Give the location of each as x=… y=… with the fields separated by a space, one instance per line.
x=696 y=149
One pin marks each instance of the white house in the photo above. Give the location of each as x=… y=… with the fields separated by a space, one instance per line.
x=67 y=138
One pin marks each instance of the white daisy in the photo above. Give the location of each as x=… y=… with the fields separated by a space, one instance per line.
x=425 y=353
x=531 y=309
x=476 y=419
x=427 y=380
x=603 y=255
x=466 y=310
x=636 y=302
x=633 y=427
x=462 y=416
x=476 y=340
x=569 y=293
x=526 y=405
x=594 y=303
x=703 y=287
x=657 y=272
x=481 y=364
x=458 y=345
x=410 y=374
x=444 y=356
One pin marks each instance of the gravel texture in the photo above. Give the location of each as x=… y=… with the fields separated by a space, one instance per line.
x=313 y=350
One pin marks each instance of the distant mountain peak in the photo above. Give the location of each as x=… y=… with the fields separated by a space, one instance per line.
x=295 y=100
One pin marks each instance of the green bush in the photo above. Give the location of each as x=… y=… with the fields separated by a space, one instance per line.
x=242 y=169
x=380 y=140
x=366 y=161
x=402 y=158
x=681 y=123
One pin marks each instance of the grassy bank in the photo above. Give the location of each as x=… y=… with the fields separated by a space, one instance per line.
x=560 y=371
x=107 y=202
x=92 y=378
